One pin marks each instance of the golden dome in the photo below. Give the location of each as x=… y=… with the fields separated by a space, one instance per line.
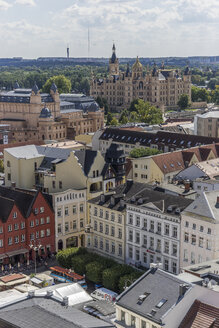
x=137 y=65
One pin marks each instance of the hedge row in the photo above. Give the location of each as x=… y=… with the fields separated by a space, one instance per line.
x=98 y=269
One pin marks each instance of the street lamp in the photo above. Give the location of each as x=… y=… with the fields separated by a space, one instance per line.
x=35 y=245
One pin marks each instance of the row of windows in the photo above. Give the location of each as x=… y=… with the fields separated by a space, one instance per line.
x=70 y=196
x=107 y=229
x=197 y=241
x=151 y=258
x=41 y=234
x=66 y=210
x=22 y=224
x=112 y=216
x=194 y=227
x=109 y=248
x=70 y=226
x=153 y=244
x=151 y=226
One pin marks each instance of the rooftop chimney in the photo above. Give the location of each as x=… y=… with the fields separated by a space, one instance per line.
x=65 y=301
x=182 y=289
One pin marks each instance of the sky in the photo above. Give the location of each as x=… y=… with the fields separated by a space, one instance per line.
x=147 y=28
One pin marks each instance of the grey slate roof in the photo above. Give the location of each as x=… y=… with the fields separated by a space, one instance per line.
x=31 y=151
x=151 y=199
x=42 y=312
x=23 y=96
x=159 y=285
x=21 y=199
x=205 y=207
x=167 y=138
x=86 y=159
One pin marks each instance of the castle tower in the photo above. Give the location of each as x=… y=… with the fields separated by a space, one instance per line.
x=113 y=63
x=137 y=69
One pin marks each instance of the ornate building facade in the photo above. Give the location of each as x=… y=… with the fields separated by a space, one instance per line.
x=161 y=87
x=33 y=116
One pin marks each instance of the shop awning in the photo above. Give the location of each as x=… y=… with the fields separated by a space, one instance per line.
x=17 y=252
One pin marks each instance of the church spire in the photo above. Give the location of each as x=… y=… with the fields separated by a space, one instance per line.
x=113 y=58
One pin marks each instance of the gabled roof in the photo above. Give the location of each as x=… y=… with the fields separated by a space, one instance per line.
x=6 y=206
x=205 y=207
x=22 y=200
x=86 y=158
x=169 y=162
x=201 y=315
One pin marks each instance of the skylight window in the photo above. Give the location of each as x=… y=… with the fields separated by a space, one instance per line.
x=181 y=142
x=168 y=140
x=174 y=141
x=172 y=164
x=164 y=166
x=179 y=163
x=161 y=303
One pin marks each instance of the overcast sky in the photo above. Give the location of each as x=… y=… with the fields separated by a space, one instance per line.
x=147 y=28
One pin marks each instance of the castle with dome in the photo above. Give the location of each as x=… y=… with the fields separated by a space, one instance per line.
x=33 y=116
x=161 y=87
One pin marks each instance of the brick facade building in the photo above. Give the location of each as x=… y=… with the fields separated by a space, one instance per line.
x=25 y=218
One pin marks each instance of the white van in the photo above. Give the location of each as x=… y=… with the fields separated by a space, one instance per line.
x=104 y=294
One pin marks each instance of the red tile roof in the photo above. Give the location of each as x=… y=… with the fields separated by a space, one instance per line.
x=201 y=315
x=169 y=162
x=12 y=277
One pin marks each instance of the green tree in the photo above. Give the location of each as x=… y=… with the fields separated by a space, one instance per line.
x=183 y=102
x=127 y=280
x=109 y=118
x=132 y=105
x=1 y=166
x=124 y=117
x=63 y=84
x=114 y=121
x=212 y=83
x=200 y=94
x=94 y=272
x=112 y=275
x=143 y=152
x=215 y=95
x=148 y=113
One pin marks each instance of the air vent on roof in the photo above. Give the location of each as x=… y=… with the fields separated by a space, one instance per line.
x=140 y=201
x=153 y=312
x=177 y=210
x=169 y=208
x=142 y=297
x=133 y=199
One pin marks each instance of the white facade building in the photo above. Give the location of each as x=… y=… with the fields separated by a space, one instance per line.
x=153 y=230
x=200 y=230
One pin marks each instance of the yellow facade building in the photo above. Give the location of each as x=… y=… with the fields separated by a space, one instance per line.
x=161 y=87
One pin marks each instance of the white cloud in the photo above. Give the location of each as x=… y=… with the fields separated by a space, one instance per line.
x=144 y=27
x=26 y=2
x=4 y=5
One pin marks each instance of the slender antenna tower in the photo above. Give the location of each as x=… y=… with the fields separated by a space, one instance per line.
x=88 y=43
x=67 y=51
